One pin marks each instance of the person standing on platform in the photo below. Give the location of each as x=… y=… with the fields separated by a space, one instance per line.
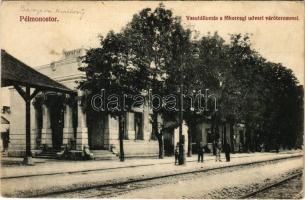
x=218 y=151
x=227 y=150
x=177 y=154
x=200 y=153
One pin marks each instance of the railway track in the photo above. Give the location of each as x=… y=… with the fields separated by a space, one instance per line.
x=108 y=189
x=272 y=185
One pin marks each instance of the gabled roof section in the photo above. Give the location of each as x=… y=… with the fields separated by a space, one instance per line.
x=14 y=71
x=4 y=120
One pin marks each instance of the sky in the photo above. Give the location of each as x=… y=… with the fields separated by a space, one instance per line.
x=80 y=23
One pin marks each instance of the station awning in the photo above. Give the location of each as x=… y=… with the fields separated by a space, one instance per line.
x=15 y=72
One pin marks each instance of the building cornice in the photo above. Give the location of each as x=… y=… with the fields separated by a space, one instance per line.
x=70 y=77
x=59 y=63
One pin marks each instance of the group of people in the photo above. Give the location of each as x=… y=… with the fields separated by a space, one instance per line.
x=202 y=149
x=227 y=150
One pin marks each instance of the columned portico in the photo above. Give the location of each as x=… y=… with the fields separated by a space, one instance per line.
x=46 y=131
x=82 y=130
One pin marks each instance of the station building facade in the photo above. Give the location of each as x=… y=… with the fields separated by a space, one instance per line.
x=59 y=121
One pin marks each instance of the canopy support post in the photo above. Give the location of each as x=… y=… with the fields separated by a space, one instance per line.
x=28 y=154
x=27 y=96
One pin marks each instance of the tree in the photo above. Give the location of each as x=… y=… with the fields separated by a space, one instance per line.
x=154 y=54
x=260 y=93
x=282 y=117
x=109 y=69
x=241 y=100
x=159 y=43
x=204 y=70
x=141 y=57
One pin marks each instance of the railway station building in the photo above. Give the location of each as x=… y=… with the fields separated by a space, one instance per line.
x=59 y=121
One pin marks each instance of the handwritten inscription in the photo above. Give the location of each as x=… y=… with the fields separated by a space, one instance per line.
x=79 y=13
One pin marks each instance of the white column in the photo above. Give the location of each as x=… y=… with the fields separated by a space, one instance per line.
x=146 y=124
x=82 y=130
x=111 y=134
x=34 y=130
x=46 y=131
x=68 y=125
x=130 y=126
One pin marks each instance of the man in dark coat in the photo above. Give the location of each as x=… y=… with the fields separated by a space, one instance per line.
x=177 y=154
x=227 y=150
x=200 y=153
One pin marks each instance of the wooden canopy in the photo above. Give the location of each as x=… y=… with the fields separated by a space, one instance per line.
x=13 y=72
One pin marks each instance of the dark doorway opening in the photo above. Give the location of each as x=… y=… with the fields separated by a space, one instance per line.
x=169 y=145
x=57 y=123
x=96 y=130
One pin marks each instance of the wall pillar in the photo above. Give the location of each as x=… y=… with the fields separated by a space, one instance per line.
x=130 y=126
x=111 y=133
x=146 y=124
x=46 y=131
x=82 y=130
x=34 y=127
x=68 y=125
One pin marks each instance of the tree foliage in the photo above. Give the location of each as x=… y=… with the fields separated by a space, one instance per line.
x=154 y=52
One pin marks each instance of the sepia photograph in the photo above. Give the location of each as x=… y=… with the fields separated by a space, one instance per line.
x=152 y=100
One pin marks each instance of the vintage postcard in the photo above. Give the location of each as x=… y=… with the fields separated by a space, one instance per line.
x=152 y=100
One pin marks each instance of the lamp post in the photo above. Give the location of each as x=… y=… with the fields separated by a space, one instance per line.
x=181 y=136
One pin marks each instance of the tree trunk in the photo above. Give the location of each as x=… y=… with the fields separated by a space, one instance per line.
x=246 y=145
x=189 y=145
x=251 y=141
x=223 y=138
x=159 y=135
x=213 y=135
x=161 y=145
x=121 y=137
x=247 y=135
x=232 y=137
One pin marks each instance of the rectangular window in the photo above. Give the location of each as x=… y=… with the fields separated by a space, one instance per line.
x=138 y=124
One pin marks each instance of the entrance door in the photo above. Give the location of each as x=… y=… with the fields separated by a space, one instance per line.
x=96 y=127
x=57 y=116
x=169 y=140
